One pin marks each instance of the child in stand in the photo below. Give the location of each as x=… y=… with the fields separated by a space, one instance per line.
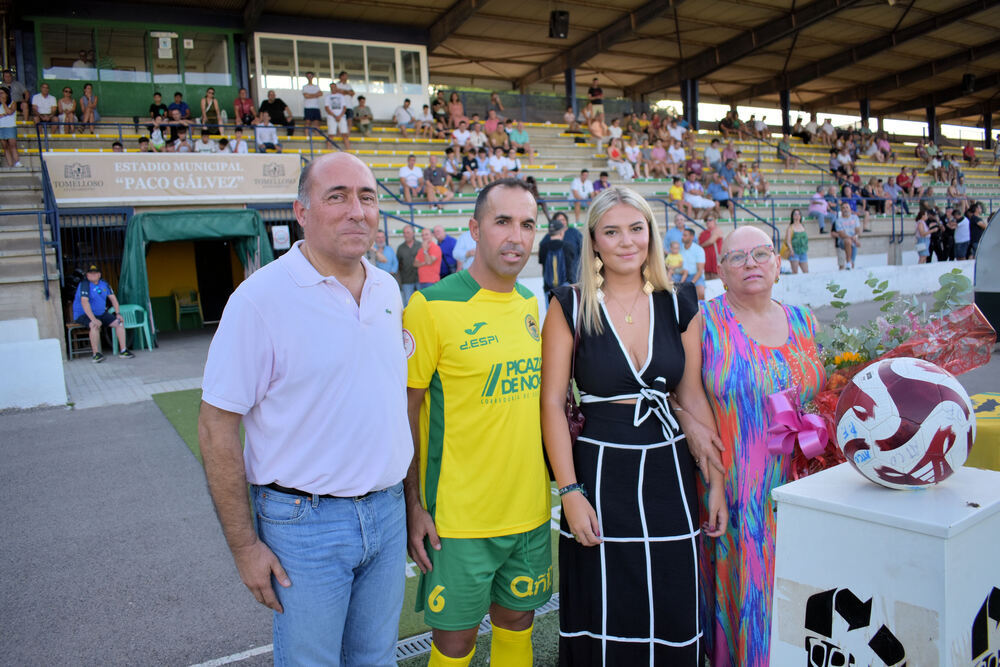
x=677 y=197
x=675 y=263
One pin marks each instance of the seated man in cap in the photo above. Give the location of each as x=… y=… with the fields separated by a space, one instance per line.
x=90 y=309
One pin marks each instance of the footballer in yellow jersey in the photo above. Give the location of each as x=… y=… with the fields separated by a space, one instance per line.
x=478 y=492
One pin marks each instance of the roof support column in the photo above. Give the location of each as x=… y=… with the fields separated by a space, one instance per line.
x=570 y=80
x=866 y=110
x=689 y=97
x=932 y=125
x=987 y=125
x=786 y=110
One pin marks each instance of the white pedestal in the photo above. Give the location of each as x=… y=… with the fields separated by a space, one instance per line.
x=863 y=571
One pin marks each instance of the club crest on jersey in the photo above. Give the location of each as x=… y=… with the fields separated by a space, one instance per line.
x=531 y=325
x=409 y=345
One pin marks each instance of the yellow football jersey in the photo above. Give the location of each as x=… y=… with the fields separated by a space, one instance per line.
x=479 y=355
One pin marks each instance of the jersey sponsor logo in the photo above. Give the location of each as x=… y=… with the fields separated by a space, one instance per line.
x=513 y=380
x=480 y=341
x=475 y=328
x=409 y=345
x=531 y=325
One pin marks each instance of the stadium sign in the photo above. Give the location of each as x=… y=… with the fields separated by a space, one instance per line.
x=171 y=178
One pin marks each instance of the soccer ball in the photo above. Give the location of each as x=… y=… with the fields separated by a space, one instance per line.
x=905 y=423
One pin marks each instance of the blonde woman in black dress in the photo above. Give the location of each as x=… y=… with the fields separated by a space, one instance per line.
x=628 y=547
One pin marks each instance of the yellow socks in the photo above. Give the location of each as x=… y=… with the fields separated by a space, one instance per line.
x=511 y=648
x=439 y=659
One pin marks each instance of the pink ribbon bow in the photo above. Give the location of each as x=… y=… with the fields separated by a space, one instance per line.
x=789 y=423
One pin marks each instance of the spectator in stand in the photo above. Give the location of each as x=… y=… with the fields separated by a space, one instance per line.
x=677 y=154
x=602 y=182
x=820 y=209
x=847 y=229
x=491 y=122
x=905 y=183
x=499 y=167
x=676 y=233
x=894 y=193
x=428 y=260
x=436 y=182
x=312 y=102
x=922 y=235
x=411 y=179
x=675 y=263
x=90 y=309
x=88 y=109
x=955 y=195
x=425 y=122
x=615 y=129
x=404 y=117
x=439 y=107
x=617 y=161
x=634 y=155
x=266 y=135
x=694 y=262
x=406 y=255
x=245 y=112
x=728 y=173
x=963 y=233
x=827 y=133
x=239 y=145
x=499 y=138
x=676 y=194
x=713 y=156
x=344 y=87
x=224 y=146
x=117 y=147
x=599 y=131
x=788 y=160
x=470 y=171
x=8 y=128
x=363 y=117
x=797 y=241
x=916 y=184
x=483 y=170
x=595 y=97
x=710 y=239
x=279 y=112
x=659 y=160
x=812 y=127
x=727 y=126
x=182 y=144
x=572 y=125
x=758 y=183
x=694 y=195
x=464 y=251
x=67 y=111
x=719 y=191
x=452 y=169
x=632 y=125
x=977 y=225
x=581 y=191
x=948 y=236
x=156 y=140
x=205 y=144
x=181 y=106
x=460 y=136
x=520 y=141
x=495 y=105
x=18 y=95
x=158 y=111
x=799 y=130
x=456 y=111
x=144 y=146
x=335 y=106
x=211 y=116
x=587 y=114
x=556 y=256
x=920 y=152
x=447 y=245
x=730 y=153
x=382 y=256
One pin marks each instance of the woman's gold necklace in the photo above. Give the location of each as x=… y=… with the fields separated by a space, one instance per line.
x=628 y=313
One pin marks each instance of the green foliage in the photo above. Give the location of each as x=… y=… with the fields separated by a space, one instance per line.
x=843 y=345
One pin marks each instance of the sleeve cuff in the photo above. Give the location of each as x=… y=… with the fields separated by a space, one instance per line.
x=224 y=404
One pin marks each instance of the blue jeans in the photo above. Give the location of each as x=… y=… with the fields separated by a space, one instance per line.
x=961 y=250
x=345 y=559
x=408 y=289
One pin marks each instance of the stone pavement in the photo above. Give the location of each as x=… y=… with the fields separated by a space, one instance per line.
x=178 y=363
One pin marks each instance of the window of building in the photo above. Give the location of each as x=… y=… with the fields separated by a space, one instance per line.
x=68 y=52
x=350 y=58
x=382 y=69
x=277 y=63
x=206 y=59
x=412 y=73
x=122 y=55
x=314 y=57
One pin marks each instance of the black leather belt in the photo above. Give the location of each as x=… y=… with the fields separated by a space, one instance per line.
x=306 y=494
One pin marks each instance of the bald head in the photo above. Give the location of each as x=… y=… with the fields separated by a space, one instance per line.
x=744 y=237
x=439 y=233
x=330 y=163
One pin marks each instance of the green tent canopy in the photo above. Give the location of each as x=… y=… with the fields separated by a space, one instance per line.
x=244 y=226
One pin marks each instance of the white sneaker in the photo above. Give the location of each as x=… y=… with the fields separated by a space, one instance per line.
x=18 y=164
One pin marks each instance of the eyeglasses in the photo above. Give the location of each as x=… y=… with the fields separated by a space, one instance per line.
x=738 y=258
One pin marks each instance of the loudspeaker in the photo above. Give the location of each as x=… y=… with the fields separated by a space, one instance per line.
x=558 y=24
x=969 y=83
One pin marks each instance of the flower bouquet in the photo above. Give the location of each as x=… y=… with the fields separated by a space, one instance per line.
x=952 y=333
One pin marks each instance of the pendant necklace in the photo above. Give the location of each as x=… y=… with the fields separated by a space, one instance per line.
x=628 y=313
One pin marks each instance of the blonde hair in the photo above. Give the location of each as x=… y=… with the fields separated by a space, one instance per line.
x=654 y=269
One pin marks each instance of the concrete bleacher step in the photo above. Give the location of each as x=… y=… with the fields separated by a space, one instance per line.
x=27 y=267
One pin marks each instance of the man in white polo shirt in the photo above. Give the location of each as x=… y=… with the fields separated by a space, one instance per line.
x=309 y=351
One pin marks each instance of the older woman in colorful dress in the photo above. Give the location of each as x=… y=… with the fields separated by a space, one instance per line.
x=752 y=346
x=628 y=560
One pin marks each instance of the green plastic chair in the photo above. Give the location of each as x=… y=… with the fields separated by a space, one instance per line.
x=187 y=301
x=134 y=317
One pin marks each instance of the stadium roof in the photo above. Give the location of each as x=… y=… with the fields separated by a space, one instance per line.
x=904 y=55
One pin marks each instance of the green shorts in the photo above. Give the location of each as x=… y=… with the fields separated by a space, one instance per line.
x=515 y=571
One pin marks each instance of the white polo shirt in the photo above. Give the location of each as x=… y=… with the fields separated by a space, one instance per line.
x=320 y=381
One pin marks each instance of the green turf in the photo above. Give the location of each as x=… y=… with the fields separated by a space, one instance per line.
x=181 y=410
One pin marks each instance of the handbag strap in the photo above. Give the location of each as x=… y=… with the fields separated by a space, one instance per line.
x=576 y=334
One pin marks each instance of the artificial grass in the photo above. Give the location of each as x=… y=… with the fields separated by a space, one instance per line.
x=181 y=410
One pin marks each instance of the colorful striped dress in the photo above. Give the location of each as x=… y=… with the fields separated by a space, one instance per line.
x=738 y=568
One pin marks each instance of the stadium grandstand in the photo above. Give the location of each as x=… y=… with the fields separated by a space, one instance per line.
x=905 y=84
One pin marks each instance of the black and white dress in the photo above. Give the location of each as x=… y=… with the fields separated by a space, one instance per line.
x=632 y=600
